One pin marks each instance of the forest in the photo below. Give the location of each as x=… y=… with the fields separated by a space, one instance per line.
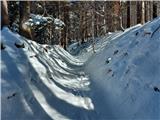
x=78 y=20
x=80 y=60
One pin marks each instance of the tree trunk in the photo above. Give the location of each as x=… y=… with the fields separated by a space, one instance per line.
x=104 y=19
x=139 y=12
x=93 y=29
x=81 y=27
x=24 y=16
x=116 y=15
x=154 y=9
x=143 y=13
x=158 y=8
x=128 y=14
x=147 y=11
x=133 y=13
x=124 y=14
x=4 y=13
x=65 y=18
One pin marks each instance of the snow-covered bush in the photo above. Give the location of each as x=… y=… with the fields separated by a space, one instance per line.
x=45 y=28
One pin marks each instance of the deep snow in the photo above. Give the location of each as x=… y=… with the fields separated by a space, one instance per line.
x=120 y=81
x=126 y=75
x=41 y=82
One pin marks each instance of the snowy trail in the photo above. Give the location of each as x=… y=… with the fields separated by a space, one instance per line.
x=120 y=81
x=50 y=81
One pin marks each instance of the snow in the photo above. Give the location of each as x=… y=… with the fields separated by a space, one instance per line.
x=36 y=20
x=41 y=82
x=39 y=20
x=120 y=81
x=126 y=84
x=58 y=22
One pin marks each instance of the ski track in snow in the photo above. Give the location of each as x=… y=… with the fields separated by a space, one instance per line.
x=120 y=81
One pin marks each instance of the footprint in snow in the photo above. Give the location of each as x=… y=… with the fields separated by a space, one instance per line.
x=108 y=60
x=33 y=56
x=109 y=70
x=12 y=95
x=113 y=74
x=115 y=52
x=156 y=89
x=127 y=71
x=137 y=33
x=125 y=54
x=19 y=45
x=2 y=46
x=136 y=43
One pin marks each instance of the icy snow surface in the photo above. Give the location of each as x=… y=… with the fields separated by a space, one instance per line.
x=120 y=81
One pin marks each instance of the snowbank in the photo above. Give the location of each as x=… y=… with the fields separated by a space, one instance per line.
x=41 y=82
x=126 y=75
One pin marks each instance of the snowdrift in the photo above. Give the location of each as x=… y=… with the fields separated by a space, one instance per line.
x=41 y=82
x=125 y=74
x=120 y=81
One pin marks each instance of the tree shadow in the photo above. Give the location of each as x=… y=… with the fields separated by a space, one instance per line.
x=64 y=108
x=47 y=65
x=23 y=89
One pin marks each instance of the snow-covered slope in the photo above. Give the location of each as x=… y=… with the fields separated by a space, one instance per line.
x=126 y=75
x=41 y=82
x=46 y=82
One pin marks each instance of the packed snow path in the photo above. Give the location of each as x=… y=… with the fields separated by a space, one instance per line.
x=120 y=81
